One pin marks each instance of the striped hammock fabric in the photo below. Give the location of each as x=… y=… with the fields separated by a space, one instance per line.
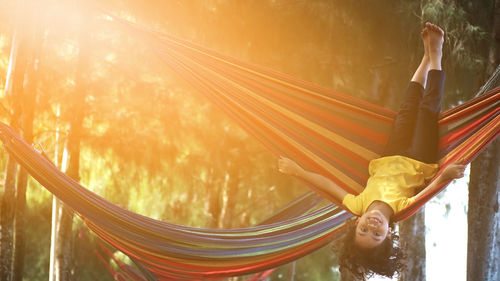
x=330 y=133
x=180 y=252
x=301 y=205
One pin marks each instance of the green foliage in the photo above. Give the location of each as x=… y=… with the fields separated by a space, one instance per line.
x=88 y=267
x=464 y=48
x=38 y=217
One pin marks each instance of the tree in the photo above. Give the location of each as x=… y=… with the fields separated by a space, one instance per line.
x=29 y=105
x=483 y=216
x=483 y=250
x=483 y=246
x=61 y=250
x=14 y=91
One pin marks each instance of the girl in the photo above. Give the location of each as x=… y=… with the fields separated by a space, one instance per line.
x=407 y=163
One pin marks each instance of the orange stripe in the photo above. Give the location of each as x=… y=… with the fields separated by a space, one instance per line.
x=465 y=109
x=459 y=133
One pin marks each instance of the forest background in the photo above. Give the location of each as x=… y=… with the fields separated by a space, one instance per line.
x=147 y=141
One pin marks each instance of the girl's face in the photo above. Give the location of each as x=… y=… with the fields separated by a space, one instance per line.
x=372 y=229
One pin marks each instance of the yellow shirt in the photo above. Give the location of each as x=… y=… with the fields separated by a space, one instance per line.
x=393 y=180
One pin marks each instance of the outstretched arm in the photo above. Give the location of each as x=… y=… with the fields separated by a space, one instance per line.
x=452 y=171
x=289 y=167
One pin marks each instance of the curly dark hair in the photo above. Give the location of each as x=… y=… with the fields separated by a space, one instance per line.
x=359 y=263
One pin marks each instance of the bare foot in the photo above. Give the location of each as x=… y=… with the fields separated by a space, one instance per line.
x=435 y=39
x=425 y=39
x=420 y=75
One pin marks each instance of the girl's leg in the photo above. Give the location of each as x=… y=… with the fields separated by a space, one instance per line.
x=403 y=128
x=426 y=138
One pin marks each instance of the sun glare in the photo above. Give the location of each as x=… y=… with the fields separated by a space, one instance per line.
x=68 y=50
x=110 y=57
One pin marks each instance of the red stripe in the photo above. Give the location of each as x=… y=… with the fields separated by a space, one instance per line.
x=469 y=107
x=491 y=97
x=446 y=140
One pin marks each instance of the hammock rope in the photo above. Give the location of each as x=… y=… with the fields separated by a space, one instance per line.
x=330 y=133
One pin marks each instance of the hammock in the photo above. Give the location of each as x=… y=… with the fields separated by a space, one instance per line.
x=301 y=205
x=324 y=131
x=327 y=132
x=176 y=251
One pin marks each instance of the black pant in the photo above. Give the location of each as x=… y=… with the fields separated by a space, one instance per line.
x=414 y=132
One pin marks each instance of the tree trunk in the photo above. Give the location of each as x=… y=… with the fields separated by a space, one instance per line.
x=55 y=202
x=61 y=259
x=227 y=220
x=412 y=232
x=494 y=50
x=483 y=246
x=291 y=272
x=13 y=89
x=483 y=217
x=29 y=100
x=61 y=242
x=213 y=193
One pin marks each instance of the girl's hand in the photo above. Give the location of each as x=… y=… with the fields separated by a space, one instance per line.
x=454 y=171
x=451 y=171
x=289 y=167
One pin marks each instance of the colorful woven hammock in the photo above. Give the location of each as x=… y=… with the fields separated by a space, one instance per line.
x=176 y=251
x=327 y=132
